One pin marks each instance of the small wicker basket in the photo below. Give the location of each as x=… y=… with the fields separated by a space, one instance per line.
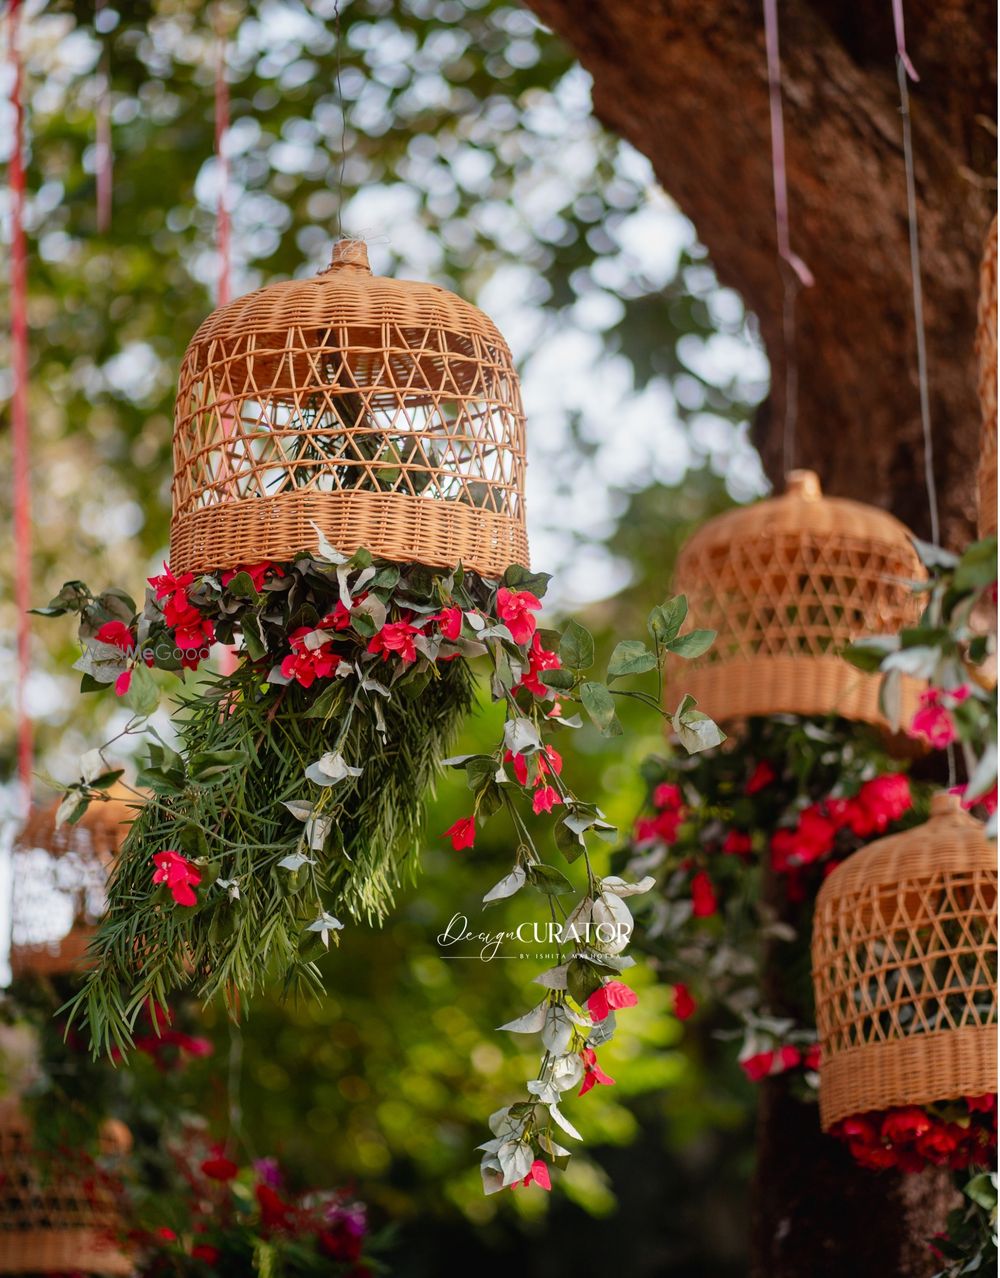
x=65 y=1219
x=986 y=350
x=905 y=969
x=787 y=583
x=59 y=876
x=384 y=411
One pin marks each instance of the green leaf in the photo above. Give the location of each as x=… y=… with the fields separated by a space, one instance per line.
x=143 y=695
x=666 y=620
x=868 y=654
x=693 y=644
x=326 y=703
x=253 y=638
x=561 y=679
x=547 y=879
x=582 y=979
x=213 y=765
x=242 y=587
x=978 y=565
x=695 y=731
x=569 y=843
x=630 y=657
x=982 y=1191
x=71 y=598
x=160 y=781
x=518 y=578
x=107 y=780
x=576 y=647
x=600 y=705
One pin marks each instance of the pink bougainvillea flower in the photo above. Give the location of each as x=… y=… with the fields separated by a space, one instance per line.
x=773 y=1061
x=305 y=665
x=539 y=659
x=885 y=799
x=737 y=843
x=984 y=1104
x=811 y=1058
x=514 y=608
x=592 y=1072
x=123 y=683
x=905 y=1123
x=669 y=797
x=683 y=1004
x=275 y=1213
x=218 y=1167
x=117 y=633
x=168 y=584
x=545 y=798
x=704 y=902
x=610 y=996
x=340 y=618
x=932 y=722
x=538 y=1174
x=450 y=623
x=462 y=833
x=396 y=637
x=257 y=573
x=206 y=1252
x=987 y=801
x=762 y=775
x=180 y=876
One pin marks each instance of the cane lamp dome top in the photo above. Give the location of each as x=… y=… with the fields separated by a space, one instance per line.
x=59 y=877
x=787 y=583
x=905 y=969
x=386 y=412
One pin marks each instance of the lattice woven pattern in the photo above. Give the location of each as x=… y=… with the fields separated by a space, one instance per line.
x=986 y=350
x=384 y=411
x=59 y=875
x=787 y=583
x=905 y=969
x=64 y=1221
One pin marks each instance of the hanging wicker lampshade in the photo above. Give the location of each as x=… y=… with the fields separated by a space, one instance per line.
x=986 y=350
x=385 y=412
x=787 y=583
x=905 y=969
x=58 y=1216
x=59 y=875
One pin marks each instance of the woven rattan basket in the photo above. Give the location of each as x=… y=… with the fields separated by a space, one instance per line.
x=986 y=350
x=904 y=969
x=59 y=875
x=60 y=1216
x=384 y=411
x=787 y=583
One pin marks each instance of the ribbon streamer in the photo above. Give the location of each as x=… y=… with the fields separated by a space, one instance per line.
x=900 y=29
x=20 y=442
x=103 y=154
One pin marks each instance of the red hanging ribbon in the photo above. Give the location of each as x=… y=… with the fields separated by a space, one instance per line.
x=20 y=443
x=803 y=273
x=104 y=156
x=904 y=57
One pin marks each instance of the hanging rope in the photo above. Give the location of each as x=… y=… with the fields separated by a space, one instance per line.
x=222 y=220
x=794 y=273
x=904 y=68
x=20 y=443
x=104 y=156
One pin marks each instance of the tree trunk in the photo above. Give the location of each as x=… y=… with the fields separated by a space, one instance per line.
x=685 y=82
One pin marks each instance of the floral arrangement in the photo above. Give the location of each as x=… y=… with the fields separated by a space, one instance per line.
x=791 y=798
x=293 y=795
x=970 y=1243
x=216 y=1217
x=959 y=1135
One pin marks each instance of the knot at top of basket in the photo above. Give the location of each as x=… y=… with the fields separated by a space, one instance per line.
x=949 y=842
x=349 y=253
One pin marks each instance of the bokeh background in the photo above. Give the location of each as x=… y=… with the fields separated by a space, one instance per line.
x=461 y=144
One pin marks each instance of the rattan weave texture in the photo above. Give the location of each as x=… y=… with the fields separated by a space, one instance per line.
x=388 y=412
x=64 y=1222
x=986 y=351
x=905 y=969
x=787 y=583
x=59 y=875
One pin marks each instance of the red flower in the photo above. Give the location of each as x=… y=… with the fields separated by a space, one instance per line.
x=450 y=623
x=167 y=583
x=462 y=833
x=762 y=775
x=546 y=797
x=879 y=802
x=340 y=618
x=397 y=637
x=275 y=1213
x=305 y=665
x=538 y=1174
x=736 y=843
x=206 y=1252
x=539 y=659
x=985 y=1104
x=256 y=572
x=811 y=1058
x=164 y=1232
x=608 y=997
x=123 y=683
x=592 y=1072
x=117 y=633
x=939 y=1142
x=905 y=1124
x=684 y=1004
x=514 y=608
x=757 y=1066
x=668 y=796
x=704 y=902
x=179 y=875
x=932 y=722
x=218 y=1167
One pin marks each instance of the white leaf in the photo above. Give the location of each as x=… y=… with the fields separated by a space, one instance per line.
x=294 y=861
x=102 y=661
x=520 y=736
x=515 y=1157
x=557 y=1030
x=372 y=607
x=325 y=924
x=567 y=1071
x=612 y=924
x=330 y=769
x=492 y=1179
x=501 y=1124
x=564 y=1122
x=507 y=886
x=546 y=1092
x=619 y=887
x=317 y=638
x=326 y=549
x=68 y=807
x=299 y=809
x=231 y=886
x=92 y=764
x=317 y=831
x=531 y=1022
x=554 y=978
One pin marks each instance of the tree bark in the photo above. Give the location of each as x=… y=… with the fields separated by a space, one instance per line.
x=685 y=82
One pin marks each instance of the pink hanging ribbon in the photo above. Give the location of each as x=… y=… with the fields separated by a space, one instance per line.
x=20 y=442
x=104 y=156
x=904 y=57
x=802 y=272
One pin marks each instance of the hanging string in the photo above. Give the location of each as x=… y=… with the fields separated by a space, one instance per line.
x=20 y=442
x=222 y=220
x=343 y=120
x=104 y=156
x=904 y=68
x=794 y=272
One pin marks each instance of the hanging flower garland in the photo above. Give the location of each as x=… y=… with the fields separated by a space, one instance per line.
x=792 y=797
